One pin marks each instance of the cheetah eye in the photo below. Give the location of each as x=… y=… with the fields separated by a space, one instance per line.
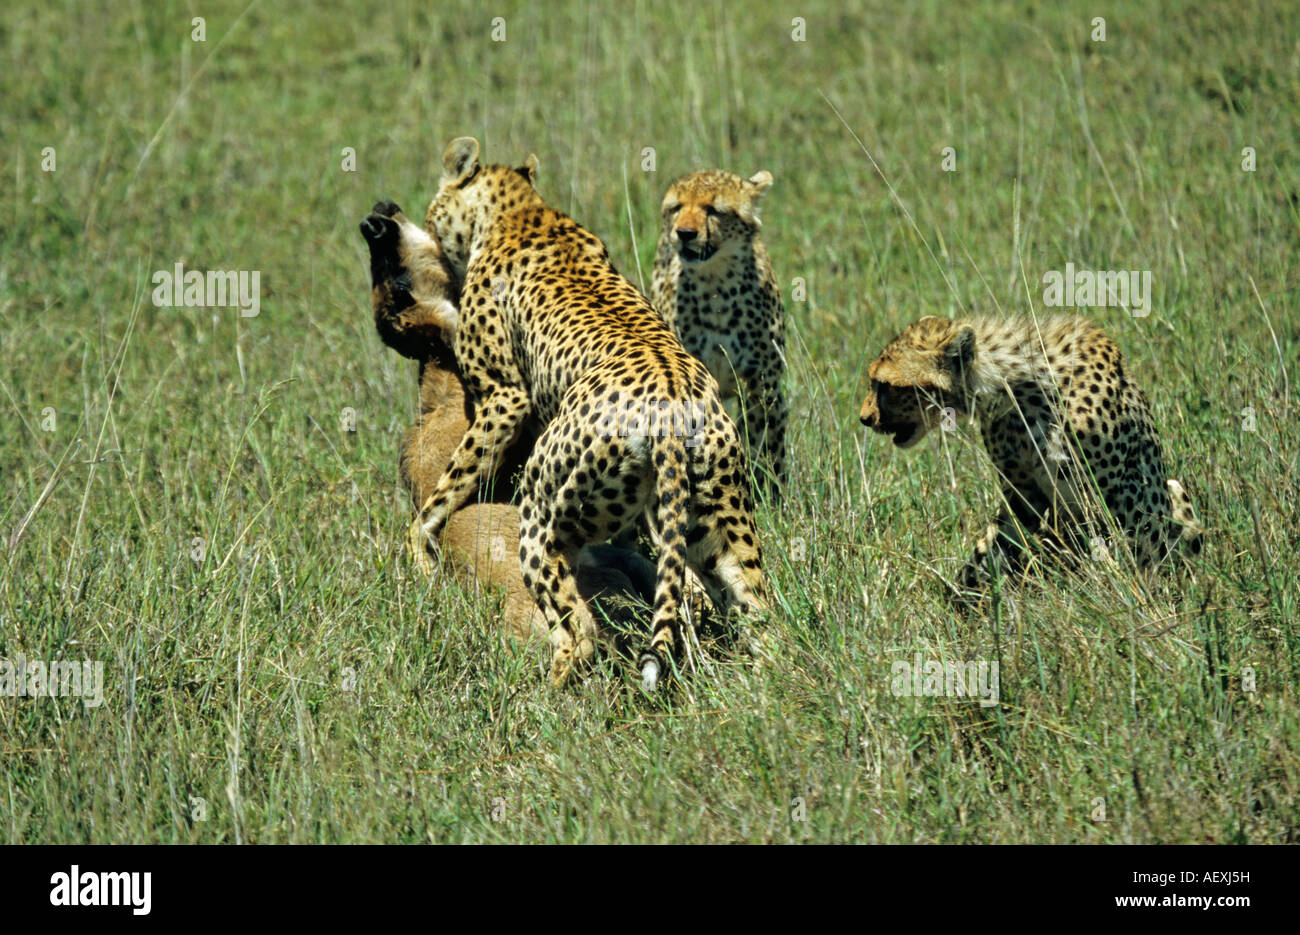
x=671 y=210
x=711 y=211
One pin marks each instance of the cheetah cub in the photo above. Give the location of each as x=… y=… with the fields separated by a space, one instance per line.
x=713 y=284
x=1062 y=420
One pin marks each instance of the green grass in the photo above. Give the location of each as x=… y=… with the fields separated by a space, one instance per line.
x=226 y=678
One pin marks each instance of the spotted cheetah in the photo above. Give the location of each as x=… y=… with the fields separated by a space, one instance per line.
x=713 y=283
x=633 y=423
x=1062 y=420
x=414 y=298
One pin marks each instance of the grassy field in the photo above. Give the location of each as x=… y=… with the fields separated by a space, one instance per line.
x=182 y=500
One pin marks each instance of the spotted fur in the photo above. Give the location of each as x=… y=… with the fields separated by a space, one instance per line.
x=550 y=330
x=714 y=285
x=1062 y=420
x=414 y=297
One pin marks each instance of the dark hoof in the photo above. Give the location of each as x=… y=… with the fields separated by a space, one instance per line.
x=375 y=227
x=386 y=209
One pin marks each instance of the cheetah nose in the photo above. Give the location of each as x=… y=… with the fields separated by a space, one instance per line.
x=686 y=234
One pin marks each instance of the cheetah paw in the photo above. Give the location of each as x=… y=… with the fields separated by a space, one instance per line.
x=569 y=663
x=561 y=670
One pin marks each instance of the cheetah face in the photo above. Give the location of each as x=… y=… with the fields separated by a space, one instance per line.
x=413 y=292
x=919 y=376
x=708 y=212
x=470 y=195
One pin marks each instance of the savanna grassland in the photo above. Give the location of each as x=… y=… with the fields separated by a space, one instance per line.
x=208 y=504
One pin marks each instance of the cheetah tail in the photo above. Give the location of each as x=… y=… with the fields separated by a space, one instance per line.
x=671 y=488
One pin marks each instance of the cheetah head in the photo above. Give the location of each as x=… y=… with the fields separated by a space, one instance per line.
x=413 y=292
x=709 y=212
x=471 y=195
x=919 y=375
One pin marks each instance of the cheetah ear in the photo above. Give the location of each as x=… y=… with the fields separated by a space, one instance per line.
x=754 y=187
x=460 y=159
x=960 y=349
x=529 y=169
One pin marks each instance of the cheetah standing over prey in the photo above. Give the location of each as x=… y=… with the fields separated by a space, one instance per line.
x=413 y=296
x=713 y=283
x=633 y=423
x=1062 y=421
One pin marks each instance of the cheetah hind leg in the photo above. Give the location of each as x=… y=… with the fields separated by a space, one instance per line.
x=550 y=574
x=574 y=633
x=549 y=550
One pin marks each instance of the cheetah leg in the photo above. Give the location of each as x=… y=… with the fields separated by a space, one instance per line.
x=1193 y=533
x=497 y=418
x=1002 y=550
x=1006 y=544
x=551 y=537
x=574 y=632
x=765 y=421
x=989 y=557
x=724 y=553
x=548 y=570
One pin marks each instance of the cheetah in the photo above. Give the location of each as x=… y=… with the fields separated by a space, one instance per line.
x=414 y=299
x=713 y=284
x=633 y=424
x=1062 y=421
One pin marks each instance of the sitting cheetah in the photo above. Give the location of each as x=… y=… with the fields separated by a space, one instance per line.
x=414 y=302
x=713 y=283
x=1060 y=417
x=633 y=423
